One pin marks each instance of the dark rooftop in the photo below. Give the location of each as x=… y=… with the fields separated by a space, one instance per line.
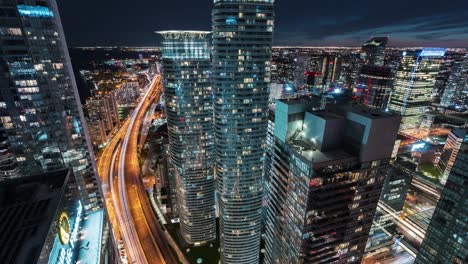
x=28 y=206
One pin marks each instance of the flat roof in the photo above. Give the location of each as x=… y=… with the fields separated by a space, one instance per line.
x=183 y=34
x=310 y=154
x=182 y=31
x=324 y=114
x=367 y=112
x=295 y=100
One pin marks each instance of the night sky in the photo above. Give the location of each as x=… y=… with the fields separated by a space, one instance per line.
x=441 y=23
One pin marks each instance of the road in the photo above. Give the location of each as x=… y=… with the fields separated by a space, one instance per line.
x=129 y=208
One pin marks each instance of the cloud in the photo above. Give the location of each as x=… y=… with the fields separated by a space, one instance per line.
x=450 y=29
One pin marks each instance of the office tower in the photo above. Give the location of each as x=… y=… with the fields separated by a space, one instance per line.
x=349 y=69
x=187 y=69
x=242 y=38
x=377 y=82
x=301 y=63
x=453 y=145
x=442 y=79
x=330 y=71
x=41 y=113
x=414 y=81
x=374 y=51
x=445 y=239
x=43 y=221
x=391 y=202
x=375 y=79
x=397 y=183
x=327 y=172
x=456 y=91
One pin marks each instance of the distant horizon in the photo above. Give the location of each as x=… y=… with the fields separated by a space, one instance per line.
x=427 y=23
x=281 y=46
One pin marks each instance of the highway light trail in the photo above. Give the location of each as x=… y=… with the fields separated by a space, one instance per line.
x=136 y=248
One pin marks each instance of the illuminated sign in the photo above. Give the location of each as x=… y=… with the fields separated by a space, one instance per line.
x=63 y=228
x=34 y=11
x=432 y=52
x=76 y=226
x=66 y=253
x=418 y=146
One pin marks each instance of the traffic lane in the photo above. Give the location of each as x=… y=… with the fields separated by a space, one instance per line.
x=132 y=175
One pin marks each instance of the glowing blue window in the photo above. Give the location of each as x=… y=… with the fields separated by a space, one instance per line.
x=34 y=11
x=43 y=137
x=231 y=20
x=22 y=71
x=21 y=68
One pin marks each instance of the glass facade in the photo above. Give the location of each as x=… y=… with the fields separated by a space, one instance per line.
x=452 y=146
x=242 y=39
x=414 y=81
x=374 y=51
x=276 y=183
x=8 y=165
x=446 y=237
x=187 y=72
x=456 y=92
x=378 y=82
x=40 y=111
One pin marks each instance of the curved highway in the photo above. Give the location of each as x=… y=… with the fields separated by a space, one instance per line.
x=130 y=210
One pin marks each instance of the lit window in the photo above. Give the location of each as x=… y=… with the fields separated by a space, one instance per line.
x=10 y=31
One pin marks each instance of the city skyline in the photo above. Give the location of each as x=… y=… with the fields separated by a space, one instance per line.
x=261 y=138
x=342 y=23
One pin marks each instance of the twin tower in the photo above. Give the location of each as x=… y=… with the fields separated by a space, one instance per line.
x=217 y=118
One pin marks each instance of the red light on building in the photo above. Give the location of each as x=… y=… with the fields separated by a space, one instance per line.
x=312 y=73
x=313 y=183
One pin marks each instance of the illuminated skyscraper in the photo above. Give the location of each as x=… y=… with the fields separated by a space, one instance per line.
x=40 y=110
x=187 y=69
x=456 y=92
x=377 y=82
x=326 y=175
x=453 y=145
x=242 y=38
x=375 y=79
x=330 y=70
x=413 y=85
x=446 y=237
